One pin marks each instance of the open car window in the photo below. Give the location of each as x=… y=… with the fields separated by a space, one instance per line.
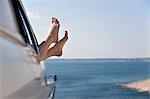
x=25 y=28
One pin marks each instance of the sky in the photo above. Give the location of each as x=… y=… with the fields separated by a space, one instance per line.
x=97 y=28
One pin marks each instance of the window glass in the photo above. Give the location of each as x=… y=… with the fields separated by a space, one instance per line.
x=24 y=25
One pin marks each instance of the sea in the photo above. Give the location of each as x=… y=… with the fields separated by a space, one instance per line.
x=97 y=78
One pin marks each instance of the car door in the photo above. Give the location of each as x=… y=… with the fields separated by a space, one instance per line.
x=18 y=48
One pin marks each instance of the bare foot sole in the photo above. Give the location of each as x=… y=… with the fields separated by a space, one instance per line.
x=54 y=29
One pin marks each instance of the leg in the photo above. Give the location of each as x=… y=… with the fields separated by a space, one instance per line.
x=57 y=49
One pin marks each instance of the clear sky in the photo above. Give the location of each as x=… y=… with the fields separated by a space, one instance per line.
x=97 y=28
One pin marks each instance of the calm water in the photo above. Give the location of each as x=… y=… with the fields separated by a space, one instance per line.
x=95 y=79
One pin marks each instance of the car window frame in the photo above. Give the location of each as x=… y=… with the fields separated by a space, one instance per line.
x=25 y=29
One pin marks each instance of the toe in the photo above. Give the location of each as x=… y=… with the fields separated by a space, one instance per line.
x=66 y=35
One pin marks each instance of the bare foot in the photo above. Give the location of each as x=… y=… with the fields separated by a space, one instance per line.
x=57 y=49
x=59 y=46
x=54 y=29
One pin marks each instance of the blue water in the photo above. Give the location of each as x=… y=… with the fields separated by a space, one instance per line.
x=95 y=79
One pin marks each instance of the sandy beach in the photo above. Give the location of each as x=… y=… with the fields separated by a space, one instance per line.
x=141 y=85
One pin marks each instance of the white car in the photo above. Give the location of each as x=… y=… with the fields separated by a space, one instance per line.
x=19 y=70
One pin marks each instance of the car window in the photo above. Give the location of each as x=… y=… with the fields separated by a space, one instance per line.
x=24 y=26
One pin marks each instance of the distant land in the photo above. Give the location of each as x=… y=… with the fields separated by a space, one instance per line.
x=141 y=85
x=106 y=59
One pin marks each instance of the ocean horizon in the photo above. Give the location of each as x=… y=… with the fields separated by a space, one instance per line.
x=97 y=78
